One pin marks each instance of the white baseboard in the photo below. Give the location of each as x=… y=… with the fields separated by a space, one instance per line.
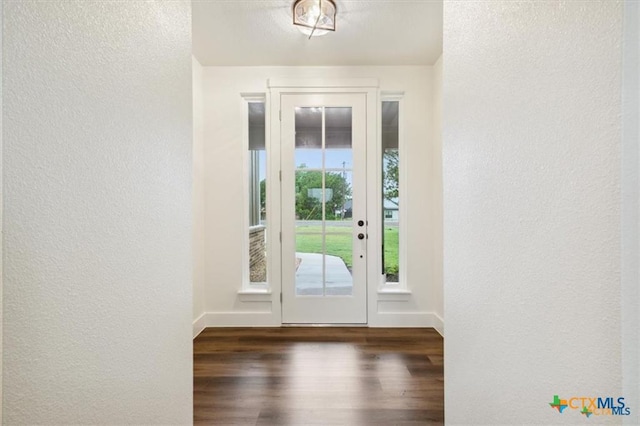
x=239 y=319
x=408 y=319
x=269 y=319
x=438 y=324
x=198 y=325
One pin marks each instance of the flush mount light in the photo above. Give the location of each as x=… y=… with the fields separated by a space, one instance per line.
x=314 y=17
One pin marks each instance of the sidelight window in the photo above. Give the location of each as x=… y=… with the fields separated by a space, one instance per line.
x=391 y=191
x=256 y=206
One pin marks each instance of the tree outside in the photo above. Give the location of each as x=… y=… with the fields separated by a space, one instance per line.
x=390 y=180
x=390 y=175
x=309 y=194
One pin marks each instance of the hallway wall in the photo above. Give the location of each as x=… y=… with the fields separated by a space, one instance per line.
x=532 y=172
x=97 y=213
x=199 y=216
x=1 y=216
x=631 y=208
x=223 y=87
x=435 y=190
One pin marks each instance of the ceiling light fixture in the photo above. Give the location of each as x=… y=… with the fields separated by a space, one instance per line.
x=314 y=17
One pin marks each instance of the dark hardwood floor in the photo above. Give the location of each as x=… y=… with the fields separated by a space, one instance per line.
x=318 y=376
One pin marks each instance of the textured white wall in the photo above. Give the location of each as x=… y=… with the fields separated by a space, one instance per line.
x=1 y=215
x=631 y=208
x=98 y=223
x=223 y=155
x=434 y=190
x=198 y=195
x=531 y=147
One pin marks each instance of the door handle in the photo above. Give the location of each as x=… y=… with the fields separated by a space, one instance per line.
x=361 y=236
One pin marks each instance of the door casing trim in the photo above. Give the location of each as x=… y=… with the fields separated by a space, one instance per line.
x=368 y=86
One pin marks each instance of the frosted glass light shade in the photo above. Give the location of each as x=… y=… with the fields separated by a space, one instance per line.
x=314 y=17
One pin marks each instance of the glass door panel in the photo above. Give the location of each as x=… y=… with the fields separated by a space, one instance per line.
x=322 y=201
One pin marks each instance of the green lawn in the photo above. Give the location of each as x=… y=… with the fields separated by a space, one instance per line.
x=339 y=244
x=391 y=245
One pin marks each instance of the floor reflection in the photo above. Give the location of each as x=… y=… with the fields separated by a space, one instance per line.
x=318 y=376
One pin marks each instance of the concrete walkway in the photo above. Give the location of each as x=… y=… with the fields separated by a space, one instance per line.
x=338 y=279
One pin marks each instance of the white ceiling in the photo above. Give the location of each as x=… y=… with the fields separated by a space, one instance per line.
x=368 y=32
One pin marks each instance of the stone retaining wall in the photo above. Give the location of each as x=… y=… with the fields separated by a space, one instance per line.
x=257 y=253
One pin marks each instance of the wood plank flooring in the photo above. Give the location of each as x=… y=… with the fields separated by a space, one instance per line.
x=318 y=376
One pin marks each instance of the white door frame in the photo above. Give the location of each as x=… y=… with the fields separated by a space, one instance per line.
x=369 y=87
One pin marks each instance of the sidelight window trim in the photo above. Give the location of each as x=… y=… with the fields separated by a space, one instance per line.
x=252 y=291
x=400 y=288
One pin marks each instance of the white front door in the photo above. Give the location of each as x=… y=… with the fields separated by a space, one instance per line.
x=324 y=224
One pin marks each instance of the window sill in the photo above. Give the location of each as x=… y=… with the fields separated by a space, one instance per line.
x=394 y=294
x=255 y=295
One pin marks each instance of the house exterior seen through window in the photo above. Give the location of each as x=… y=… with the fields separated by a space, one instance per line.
x=257 y=178
x=390 y=191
